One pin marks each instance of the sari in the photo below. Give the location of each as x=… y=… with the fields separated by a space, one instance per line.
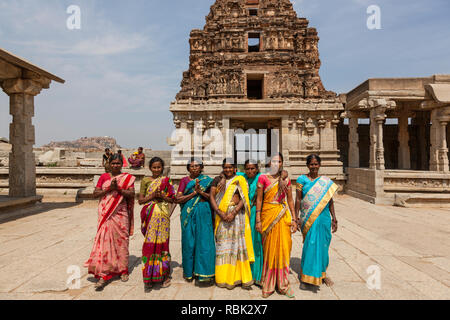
x=109 y=255
x=155 y=218
x=276 y=222
x=138 y=161
x=234 y=248
x=316 y=227
x=257 y=266
x=197 y=234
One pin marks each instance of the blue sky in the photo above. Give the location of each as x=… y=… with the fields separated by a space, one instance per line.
x=124 y=67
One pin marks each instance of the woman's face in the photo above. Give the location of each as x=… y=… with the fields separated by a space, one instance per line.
x=276 y=165
x=156 y=168
x=314 y=166
x=195 y=169
x=229 y=170
x=116 y=166
x=251 y=170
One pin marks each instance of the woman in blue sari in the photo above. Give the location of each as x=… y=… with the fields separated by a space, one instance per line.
x=317 y=220
x=197 y=233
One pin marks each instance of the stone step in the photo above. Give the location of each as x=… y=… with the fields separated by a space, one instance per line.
x=422 y=200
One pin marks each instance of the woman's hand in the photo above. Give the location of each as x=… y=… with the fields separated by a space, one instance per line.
x=221 y=214
x=334 y=226
x=258 y=226
x=113 y=186
x=157 y=194
x=231 y=216
x=197 y=188
x=294 y=227
x=299 y=225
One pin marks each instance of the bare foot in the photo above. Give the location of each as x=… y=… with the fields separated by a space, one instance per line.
x=328 y=282
x=124 y=277
x=166 y=284
x=148 y=287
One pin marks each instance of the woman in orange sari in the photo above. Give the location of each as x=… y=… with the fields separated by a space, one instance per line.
x=109 y=256
x=156 y=194
x=275 y=221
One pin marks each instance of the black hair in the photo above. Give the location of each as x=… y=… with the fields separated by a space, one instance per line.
x=116 y=156
x=251 y=161
x=279 y=154
x=140 y=148
x=229 y=161
x=200 y=162
x=119 y=152
x=107 y=149
x=311 y=157
x=156 y=159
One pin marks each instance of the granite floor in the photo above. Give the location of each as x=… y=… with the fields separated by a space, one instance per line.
x=379 y=252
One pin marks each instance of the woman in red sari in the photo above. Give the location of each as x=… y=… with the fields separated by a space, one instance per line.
x=157 y=193
x=109 y=256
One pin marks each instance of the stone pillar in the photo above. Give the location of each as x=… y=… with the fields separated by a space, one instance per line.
x=377 y=118
x=22 y=167
x=334 y=135
x=322 y=123
x=434 y=141
x=353 y=139
x=404 y=156
x=443 y=150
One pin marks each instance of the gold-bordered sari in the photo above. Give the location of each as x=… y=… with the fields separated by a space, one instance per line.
x=234 y=247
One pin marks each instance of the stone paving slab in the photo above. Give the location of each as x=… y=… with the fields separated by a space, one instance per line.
x=409 y=246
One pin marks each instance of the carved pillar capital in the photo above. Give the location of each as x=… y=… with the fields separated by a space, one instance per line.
x=21 y=86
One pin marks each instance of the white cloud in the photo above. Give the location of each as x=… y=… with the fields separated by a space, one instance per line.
x=111 y=43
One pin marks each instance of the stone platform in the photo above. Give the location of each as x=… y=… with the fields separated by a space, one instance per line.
x=409 y=246
x=8 y=203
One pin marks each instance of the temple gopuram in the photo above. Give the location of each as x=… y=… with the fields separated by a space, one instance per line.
x=253 y=89
x=254 y=68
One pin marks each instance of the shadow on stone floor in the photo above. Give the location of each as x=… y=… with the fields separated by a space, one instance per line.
x=34 y=210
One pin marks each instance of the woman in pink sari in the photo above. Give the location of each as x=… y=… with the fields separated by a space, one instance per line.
x=109 y=256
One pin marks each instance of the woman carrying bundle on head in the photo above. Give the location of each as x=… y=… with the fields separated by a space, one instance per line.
x=156 y=194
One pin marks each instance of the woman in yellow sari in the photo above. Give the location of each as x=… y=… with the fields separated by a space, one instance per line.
x=274 y=220
x=234 y=247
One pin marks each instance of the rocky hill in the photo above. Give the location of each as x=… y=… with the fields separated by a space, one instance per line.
x=94 y=143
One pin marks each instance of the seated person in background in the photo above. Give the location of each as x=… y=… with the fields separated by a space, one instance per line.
x=137 y=159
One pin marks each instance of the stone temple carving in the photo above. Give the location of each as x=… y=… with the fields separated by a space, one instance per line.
x=285 y=46
x=254 y=68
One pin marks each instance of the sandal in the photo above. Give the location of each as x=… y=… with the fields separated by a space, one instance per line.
x=289 y=293
x=124 y=277
x=100 y=285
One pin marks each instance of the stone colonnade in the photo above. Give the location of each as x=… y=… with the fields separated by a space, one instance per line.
x=376 y=109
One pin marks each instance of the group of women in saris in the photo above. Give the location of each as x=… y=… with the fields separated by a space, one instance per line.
x=236 y=229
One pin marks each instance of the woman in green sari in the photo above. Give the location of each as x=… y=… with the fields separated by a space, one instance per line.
x=197 y=233
x=317 y=222
x=252 y=175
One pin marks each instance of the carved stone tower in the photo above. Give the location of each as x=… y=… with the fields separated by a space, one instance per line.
x=255 y=66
